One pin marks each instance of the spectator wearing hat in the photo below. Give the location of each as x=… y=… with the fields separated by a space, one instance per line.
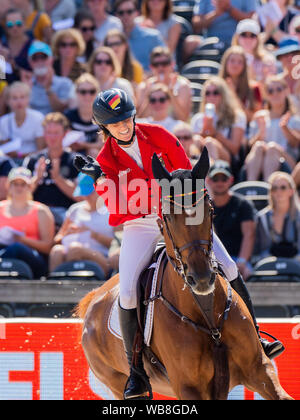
x=234 y=216
x=288 y=48
x=53 y=169
x=26 y=226
x=260 y=61
x=49 y=91
x=217 y=18
x=85 y=233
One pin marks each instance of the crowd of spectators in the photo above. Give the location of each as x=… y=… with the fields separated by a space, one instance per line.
x=58 y=54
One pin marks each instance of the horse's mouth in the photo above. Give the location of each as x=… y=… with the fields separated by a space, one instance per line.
x=205 y=287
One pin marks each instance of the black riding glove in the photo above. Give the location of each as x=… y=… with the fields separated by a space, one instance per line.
x=88 y=166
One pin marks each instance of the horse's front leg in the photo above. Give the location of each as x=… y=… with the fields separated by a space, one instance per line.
x=264 y=380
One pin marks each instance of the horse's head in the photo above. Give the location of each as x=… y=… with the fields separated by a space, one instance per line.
x=189 y=237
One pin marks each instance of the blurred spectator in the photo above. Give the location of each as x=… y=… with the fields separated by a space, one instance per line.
x=180 y=91
x=80 y=118
x=67 y=46
x=38 y=23
x=132 y=70
x=234 y=216
x=84 y=21
x=59 y=10
x=274 y=132
x=158 y=14
x=85 y=233
x=278 y=225
x=234 y=71
x=217 y=18
x=159 y=104
x=141 y=40
x=22 y=124
x=53 y=169
x=49 y=92
x=3 y=90
x=261 y=62
x=6 y=164
x=289 y=49
x=294 y=28
x=222 y=133
x=104 y=21
x=17 y=42
x=183 y=132
x=105 y=66
x=32 y=225
x=275 y=31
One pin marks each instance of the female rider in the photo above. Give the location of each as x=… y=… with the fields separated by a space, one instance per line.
x=126 y=157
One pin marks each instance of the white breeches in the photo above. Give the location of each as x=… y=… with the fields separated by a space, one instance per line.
x=140 y=237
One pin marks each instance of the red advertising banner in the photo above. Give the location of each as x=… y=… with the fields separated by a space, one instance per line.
x=42 y=359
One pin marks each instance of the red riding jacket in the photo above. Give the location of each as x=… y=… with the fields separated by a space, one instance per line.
x=127 y=187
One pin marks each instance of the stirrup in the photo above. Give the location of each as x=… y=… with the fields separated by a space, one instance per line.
x=272 y=349
x=142 y=388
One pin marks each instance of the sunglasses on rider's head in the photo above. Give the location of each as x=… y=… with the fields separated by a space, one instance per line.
x=11 y=24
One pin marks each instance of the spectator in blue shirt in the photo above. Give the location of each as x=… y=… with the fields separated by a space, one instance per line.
x=218 y=18
x=141 y=40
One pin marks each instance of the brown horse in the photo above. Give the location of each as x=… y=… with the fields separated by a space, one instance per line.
x=205 y=352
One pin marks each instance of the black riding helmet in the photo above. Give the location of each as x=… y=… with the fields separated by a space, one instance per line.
x=112 y=106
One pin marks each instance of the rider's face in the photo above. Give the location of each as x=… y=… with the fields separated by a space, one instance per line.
x=122 y=130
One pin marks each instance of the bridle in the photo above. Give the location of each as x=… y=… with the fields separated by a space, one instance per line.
x=197 y=244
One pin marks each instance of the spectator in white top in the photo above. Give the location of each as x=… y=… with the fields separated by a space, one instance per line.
x=85 y=233
x=22 y=122
x=104 y=21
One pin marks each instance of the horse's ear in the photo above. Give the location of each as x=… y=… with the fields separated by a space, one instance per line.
x=159 y=171
x=201 y=168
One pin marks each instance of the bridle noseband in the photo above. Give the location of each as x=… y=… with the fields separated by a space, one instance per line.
x=197 y=244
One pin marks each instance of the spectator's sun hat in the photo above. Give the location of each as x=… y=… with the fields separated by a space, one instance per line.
x=220 y=167
x=39 y=47
x=20 y=173
x=85 y=186
x=287 y=45
x=247 y=25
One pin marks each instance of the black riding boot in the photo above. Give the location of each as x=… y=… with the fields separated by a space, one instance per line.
x=138 y=385
x=273 y=349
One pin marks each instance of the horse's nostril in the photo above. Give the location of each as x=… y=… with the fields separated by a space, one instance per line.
x=191 y=280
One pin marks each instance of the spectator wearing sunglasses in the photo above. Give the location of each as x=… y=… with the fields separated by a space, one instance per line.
x=260 y=61
x=49 y=91
x=103 y=20
x=183 y=132
x=105 y=66
x=84 y=21
x=234 y=216
x=141 y=40
x=159 y=104
x=132 y=70
x=274 y=133
x=37 y=22
x=17 y=41
x=162 y=68
x=278 y=224
x=80 y=118
x=67 y=46
x=223 y=134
